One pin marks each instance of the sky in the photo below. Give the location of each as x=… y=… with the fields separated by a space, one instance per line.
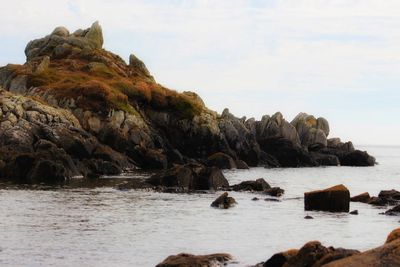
x=334 y=59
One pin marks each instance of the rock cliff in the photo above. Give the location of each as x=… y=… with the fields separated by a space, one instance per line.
x=76 y=109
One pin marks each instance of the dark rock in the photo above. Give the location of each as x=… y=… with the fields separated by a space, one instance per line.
x=325 y=159
x=255 y=198
x=241 y=165
x=224 y=201
x=279 y=259
x=287 y=153
x=257 y=185
x=189 y=260
x=393 y=211
x=363 y=198
x=334 y=199
x=354 y=212
x=308 y=217
x=221 y=160
x=357 y=158
x=46 y=171
x=274 y=191
x=190 y=177
x=377 y=201
x=390 y=195
x=316 y=255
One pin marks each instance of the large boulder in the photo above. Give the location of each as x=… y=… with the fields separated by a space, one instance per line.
x=279 y=259
x=189 y=260
x=333 y=199
x=311 y=130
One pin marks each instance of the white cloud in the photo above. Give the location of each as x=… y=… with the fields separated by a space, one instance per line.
x=269 y=55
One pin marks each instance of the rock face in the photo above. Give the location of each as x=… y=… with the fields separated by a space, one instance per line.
x=189 y=260
x=224 y=201
x=333 y=199
x=94 y=101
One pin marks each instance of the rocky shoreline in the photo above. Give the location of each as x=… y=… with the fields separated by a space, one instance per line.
x=75 y=109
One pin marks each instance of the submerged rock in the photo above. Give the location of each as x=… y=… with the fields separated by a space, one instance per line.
x=186 y=260
x=257 y=185
x=224 y=201
x=333 y=199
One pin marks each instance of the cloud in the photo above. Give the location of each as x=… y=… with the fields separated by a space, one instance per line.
x=253 y=56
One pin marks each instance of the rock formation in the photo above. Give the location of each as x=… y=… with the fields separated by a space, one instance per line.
x=84 y=110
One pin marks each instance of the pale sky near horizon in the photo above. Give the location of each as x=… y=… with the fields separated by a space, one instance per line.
x=335 y=59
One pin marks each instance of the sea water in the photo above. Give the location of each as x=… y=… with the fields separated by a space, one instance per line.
x=107 y=227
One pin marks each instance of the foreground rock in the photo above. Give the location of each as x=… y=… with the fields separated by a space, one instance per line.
x=385 y=255
x=314 y=254
x=333 y=199
x=190 y=177
x=189 y=260
x=224 y=202
x=104 y=115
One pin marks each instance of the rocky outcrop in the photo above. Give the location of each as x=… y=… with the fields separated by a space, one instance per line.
x=39 y=143
x=82 y=88
x=224 y=201
x=186 y=260
x=333 y=199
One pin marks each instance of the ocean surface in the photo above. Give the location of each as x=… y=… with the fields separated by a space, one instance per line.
x=108 y=227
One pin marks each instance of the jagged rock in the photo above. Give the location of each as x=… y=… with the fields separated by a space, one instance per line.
x=334 y=199
x=257 y=185
x=186 y=260
x=224 y=202
x=138 y=65
x=95 y=34
x=311 y=130
x=364 y=198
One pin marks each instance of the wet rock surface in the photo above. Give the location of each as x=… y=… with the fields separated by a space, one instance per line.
x=333 y=199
